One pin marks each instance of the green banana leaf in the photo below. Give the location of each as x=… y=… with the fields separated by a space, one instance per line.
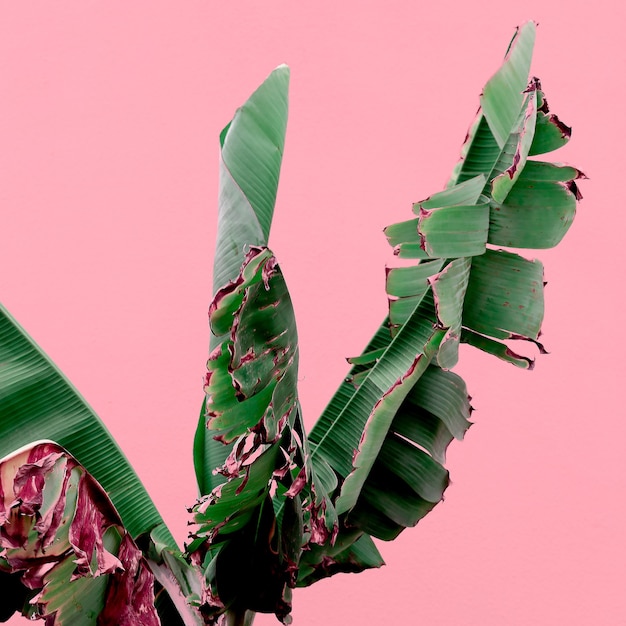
x=252 y=146
x=261 y=501
x=38 y=402
x=389 y=457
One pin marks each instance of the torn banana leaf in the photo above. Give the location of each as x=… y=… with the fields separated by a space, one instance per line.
x=251 y=529
x=504 y=298
x=38 y=402
x=550 y=132
x=409 y=478
x=451 y=223
x=389 y=456
x=252 y=146
x=261 y=500
x=64 y=544
x=538 y=210
x=350 y=554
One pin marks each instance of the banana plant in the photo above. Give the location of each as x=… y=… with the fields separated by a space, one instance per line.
x=81 y=542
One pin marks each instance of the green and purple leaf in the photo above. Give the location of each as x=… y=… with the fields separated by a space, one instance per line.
x=38 y=402
x=252 y=146
x=60 y=533
x=262 y=501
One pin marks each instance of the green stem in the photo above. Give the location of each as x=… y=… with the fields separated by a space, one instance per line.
x=239 y=617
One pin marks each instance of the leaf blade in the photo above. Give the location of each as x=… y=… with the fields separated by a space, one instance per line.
x=38 y=402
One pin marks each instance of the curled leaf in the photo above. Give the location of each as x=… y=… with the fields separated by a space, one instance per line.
x=61 y=535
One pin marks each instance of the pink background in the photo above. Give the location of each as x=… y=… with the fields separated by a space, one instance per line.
x=109 y=123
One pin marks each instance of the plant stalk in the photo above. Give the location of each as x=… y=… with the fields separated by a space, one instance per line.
x=239 y=617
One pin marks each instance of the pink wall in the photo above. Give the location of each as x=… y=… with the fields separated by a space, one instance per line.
x=109 y=119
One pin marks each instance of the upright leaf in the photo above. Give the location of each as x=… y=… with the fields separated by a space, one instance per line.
x=252 y=146
x=261 y=501
x=502 y=96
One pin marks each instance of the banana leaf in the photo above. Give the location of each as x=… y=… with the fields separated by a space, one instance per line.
x=261 y=502
x=252 y=146
x=38 y=402
x=64 y=547
x=390 y=457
